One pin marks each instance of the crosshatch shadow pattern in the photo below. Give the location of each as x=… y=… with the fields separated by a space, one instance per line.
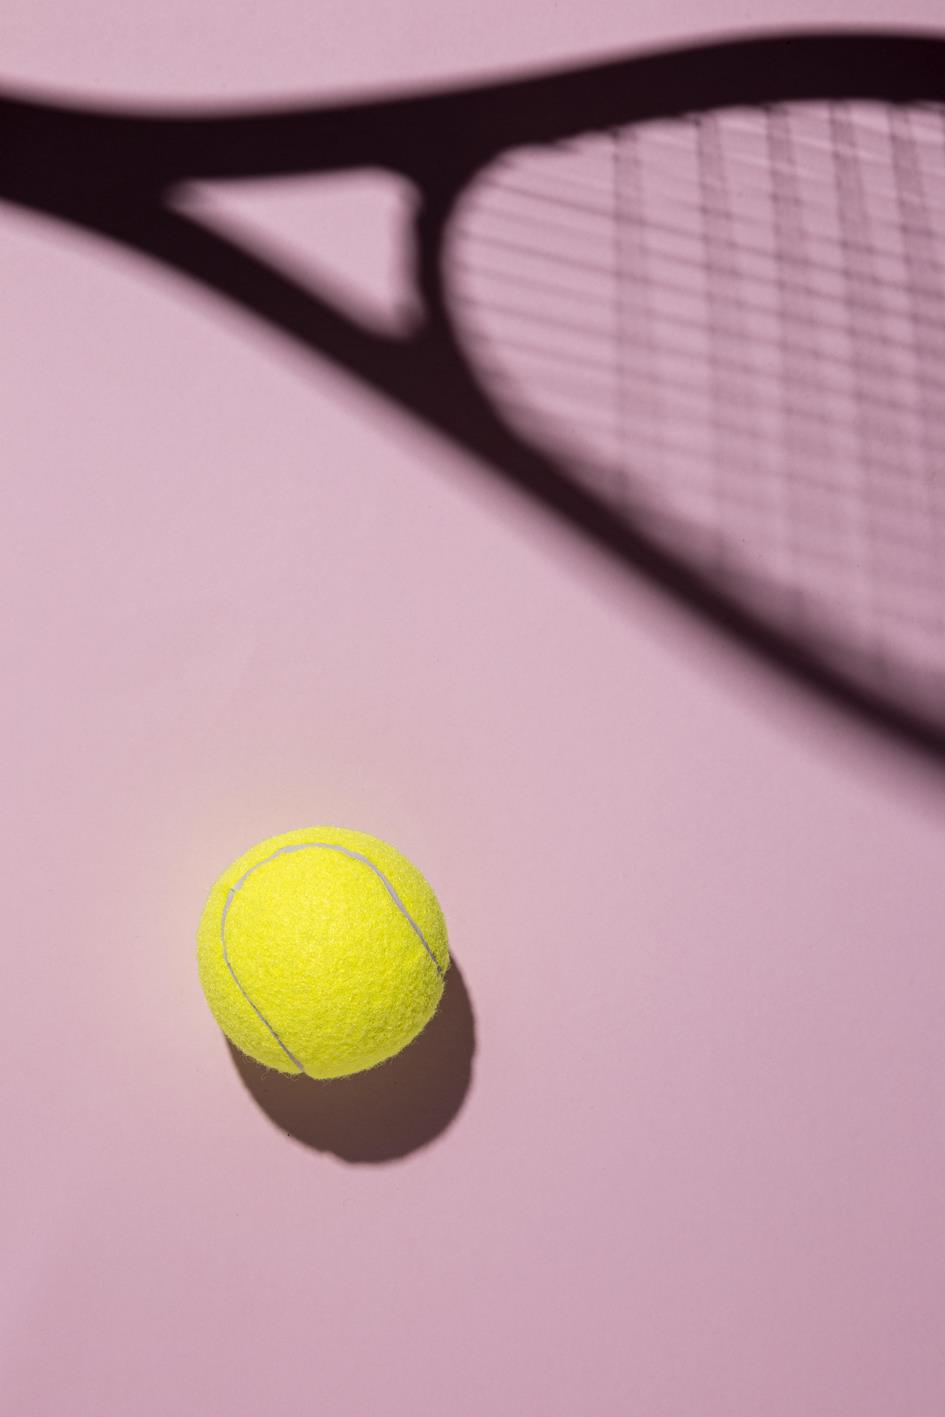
x=693 y=302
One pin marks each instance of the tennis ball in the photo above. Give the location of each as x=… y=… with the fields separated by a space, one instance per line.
x=322 y=952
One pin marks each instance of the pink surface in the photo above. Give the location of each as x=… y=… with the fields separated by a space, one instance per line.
x=698 y=915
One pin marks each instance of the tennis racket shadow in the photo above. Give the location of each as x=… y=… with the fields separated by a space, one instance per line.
x=754 y=417
x=391 y=1110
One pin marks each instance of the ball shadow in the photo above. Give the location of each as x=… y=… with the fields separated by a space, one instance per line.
x=388 y=1112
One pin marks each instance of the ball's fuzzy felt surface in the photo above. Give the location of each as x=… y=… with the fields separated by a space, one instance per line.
x=322 y=952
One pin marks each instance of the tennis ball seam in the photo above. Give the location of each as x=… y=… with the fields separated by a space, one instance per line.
x=312 y=846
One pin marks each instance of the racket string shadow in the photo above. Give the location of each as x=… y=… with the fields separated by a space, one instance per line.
x=118 y=174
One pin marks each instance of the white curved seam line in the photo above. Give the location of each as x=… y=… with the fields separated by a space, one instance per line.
x=310 y=846
x=385 y=881
x=354 y=856
x=226 y=958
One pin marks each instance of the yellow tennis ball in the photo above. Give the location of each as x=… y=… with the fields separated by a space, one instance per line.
x=322 y=952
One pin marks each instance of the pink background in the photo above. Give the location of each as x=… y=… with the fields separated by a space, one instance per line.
x=698 y=914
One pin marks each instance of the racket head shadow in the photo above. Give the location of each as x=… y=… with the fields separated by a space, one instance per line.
x=119 y=173
x=713 y=335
